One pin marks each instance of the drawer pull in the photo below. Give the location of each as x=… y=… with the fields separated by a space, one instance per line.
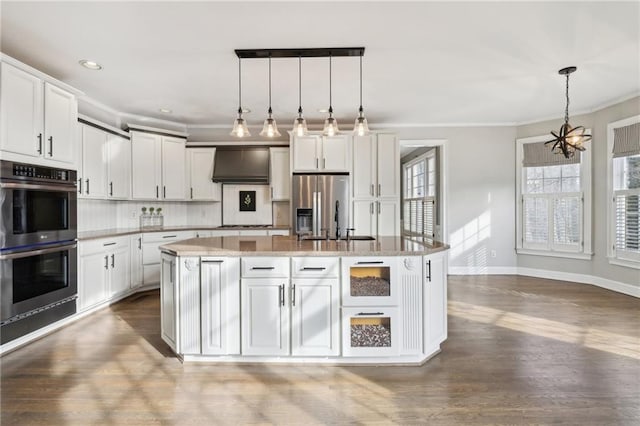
x=373 y=262
x=312 y=268
x=108 y=244
x=262 y=268
x=169 y=236
x=212 y=261
x=370 y=313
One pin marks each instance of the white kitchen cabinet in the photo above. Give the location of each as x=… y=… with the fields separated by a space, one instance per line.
x=379 y=217
x=435 y=300
x=265 y=316
x=151 y=242
x=146 y=174
x=104 y=270
x=315 y=322
x=37 y=118
x=200 y=163
x=280 y=178
x=92 y=170
x=173 y=168
x=158 y=166
x=168 y=300
x=376 y=166
x=135 y=247
x=315 y=153
x=104 y=166
x=220 y=306
x=119 y=167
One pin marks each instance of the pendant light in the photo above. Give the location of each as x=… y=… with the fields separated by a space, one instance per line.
x=240 y=128
x=300 y=124
x=361 y=127
x=270 y=128
x=569 y=139
x=330 y=124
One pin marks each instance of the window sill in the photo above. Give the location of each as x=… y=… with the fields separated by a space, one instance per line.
x=566 y=255
x=626 y=263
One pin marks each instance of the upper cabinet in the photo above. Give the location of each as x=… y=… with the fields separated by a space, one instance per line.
x=280 y=177
x=37 y=118
x=158 y=166
x=314 y=153
x=104 y=168
x=200 y=163
x=376 y=166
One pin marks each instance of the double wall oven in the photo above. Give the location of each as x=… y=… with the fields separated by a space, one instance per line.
x=38 y=252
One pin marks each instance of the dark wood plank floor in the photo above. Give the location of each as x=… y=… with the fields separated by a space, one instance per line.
x=520 y=351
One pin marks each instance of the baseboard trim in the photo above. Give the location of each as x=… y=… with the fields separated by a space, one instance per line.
x=605 y=283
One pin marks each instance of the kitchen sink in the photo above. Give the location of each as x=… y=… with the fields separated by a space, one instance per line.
x=351 y=238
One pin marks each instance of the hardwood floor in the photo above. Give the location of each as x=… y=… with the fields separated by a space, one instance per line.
x=520 y=351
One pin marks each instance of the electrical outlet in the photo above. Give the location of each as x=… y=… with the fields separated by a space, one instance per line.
x=493 y=253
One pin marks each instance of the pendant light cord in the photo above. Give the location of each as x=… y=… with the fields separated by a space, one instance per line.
x=360 y=82
x=566 y=110
x=269 y=84
x=239 y=85
x=299 y=85
x=330 y=107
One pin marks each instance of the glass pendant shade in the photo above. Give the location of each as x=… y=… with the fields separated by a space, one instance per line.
x=270 y=128
x=240 y=129
x=300 y=125
x=330 y=125
x=361 y=127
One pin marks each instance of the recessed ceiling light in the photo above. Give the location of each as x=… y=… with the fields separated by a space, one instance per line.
x=90 y=64
x=165 y=110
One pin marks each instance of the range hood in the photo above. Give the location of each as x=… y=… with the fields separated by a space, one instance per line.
x=248 y=164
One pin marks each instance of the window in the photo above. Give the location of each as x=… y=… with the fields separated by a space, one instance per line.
x=419 y=207
x=624 y=188
x=554 y=194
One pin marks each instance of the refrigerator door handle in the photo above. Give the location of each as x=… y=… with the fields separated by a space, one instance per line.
x=319 y=212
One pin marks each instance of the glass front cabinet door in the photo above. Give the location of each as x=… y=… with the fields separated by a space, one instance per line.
x=369 y=281
x=370 y=331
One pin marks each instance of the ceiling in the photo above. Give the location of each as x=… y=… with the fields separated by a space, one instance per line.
x=426 y=63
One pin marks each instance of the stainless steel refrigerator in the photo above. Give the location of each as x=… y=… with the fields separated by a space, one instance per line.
x=320 y=202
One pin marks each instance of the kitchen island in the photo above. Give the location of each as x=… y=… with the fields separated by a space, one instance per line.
x=278 y=299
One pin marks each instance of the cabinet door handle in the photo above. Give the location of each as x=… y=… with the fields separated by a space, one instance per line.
x=39 y=143
x=372 y=190
x=111 y=188
x=192 y=193
x=370 y=313
x=113 y=260
x=272 y=192
x=371 y=208
x=106 y=262
x=262 y=268
x=87 y=181
x=50 y=146
x=171 y=273
x=80 y=186
x=317 y=166
x=164 y=191
x=429 y=269
x=140 y=243
x=324 y=163
x=379 y=189
x=370 y=262
x=378 y=203
x=281 y=294
x=157 y=193
x=293 y=295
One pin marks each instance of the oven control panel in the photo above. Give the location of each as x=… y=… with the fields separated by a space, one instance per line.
x=39 y=172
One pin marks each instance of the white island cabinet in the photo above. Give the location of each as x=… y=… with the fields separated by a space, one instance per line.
x=276 y=299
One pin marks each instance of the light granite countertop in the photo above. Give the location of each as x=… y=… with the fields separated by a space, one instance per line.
x=118 y=232
x=290 y=246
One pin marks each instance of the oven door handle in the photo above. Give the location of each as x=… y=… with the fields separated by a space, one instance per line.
x=57 y=188
x=30 y=253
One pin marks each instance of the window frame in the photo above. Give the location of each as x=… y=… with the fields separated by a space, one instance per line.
x=548 y=249
x=611 y=223
x=424 y=158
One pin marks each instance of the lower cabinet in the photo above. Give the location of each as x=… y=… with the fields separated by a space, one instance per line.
x=135 y=245
x=435 y=300
x=105 y=270
x=265 y=316
x=168 y=297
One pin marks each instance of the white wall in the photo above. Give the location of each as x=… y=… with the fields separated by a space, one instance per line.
x=598 y=266
x=480 y=194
